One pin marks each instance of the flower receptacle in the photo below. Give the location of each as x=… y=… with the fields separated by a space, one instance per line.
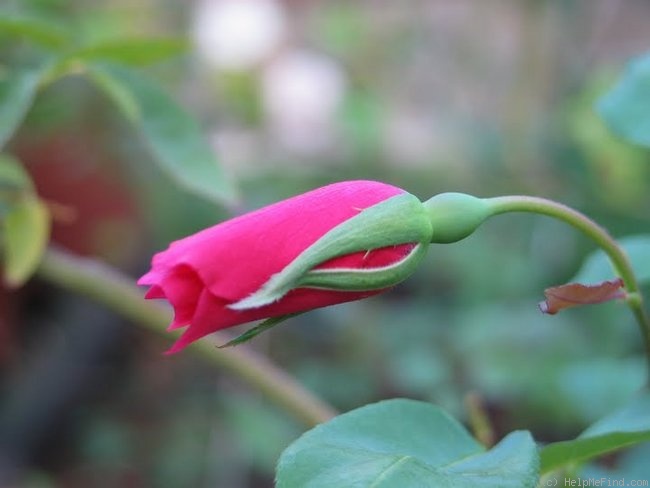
x=455 y=216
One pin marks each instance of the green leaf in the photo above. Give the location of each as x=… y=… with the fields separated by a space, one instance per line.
x=632 y=464
x=625 y=427
x=17 y=91
x=135 y=52
x=26 y=229
x=626 y=107
x=15 y=183
x=404 y=443
x=13 y=176
x=43 y=33
x=118 y=92
x=597 y=266
x=609 y=383
x=172 y=135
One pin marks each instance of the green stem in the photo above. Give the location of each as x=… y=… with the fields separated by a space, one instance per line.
x=117 y=292
x=620 y=262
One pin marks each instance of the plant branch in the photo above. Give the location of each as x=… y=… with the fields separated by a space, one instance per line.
x=618 y=258
x=116 y=291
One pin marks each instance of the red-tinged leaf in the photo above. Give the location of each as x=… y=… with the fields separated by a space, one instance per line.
x=576 y=294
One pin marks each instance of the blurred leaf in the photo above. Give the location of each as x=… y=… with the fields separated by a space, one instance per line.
x=625 y=427
x=14 y=182
x=135 y=52
x=575 y=294
x=632 y=464
x=17 y=90
x=608 y=383
x=343 y=28
x=106 y=440
x=261 y=430
x=361 y=119
x=616 y=171
x=516 y=360
x=13 y=176
x=242 y=92
x=186 y=446
x=172 y=135
x=118 y=92
x=43 y=33
x=26 y=228
x=344 y=380
x=626 y=107
x=417 y=368
x=597 y=266
x=407 y=444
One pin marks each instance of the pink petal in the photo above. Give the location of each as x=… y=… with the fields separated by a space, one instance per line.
x=371 y=259
x=155 y=292
x=182 y=287
x=212 y=313
x=236 y=257
x=149 y=279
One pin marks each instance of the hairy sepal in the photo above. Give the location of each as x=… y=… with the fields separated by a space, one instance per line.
x=398 y=220
x=350 y=279
x=257 y=330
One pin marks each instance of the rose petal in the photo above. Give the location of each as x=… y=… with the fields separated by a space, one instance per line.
x=375 y=258
x=236 y=257
x=182 y=287
x=212 y=313
x=154 y=292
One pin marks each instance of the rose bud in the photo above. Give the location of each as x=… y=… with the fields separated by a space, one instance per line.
x=335 y=244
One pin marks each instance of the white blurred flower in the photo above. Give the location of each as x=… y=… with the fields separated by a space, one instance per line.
x=238 y=34
x=302 y=92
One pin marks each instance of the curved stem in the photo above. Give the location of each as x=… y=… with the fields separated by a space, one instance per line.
x=109 y=287
x=620 y=262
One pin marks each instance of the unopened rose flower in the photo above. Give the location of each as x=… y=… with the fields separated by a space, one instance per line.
x=335 y=244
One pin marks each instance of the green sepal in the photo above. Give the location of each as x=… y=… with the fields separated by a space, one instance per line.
x=350 y=279
x=398 y=220
x=258 y=329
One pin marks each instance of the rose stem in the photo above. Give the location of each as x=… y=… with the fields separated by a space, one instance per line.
x=116 y=291
x=620 y=262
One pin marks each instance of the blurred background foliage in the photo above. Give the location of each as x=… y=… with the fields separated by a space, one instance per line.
x=489 y=98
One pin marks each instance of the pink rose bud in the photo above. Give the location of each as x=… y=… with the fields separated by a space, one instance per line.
x=335 y=244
